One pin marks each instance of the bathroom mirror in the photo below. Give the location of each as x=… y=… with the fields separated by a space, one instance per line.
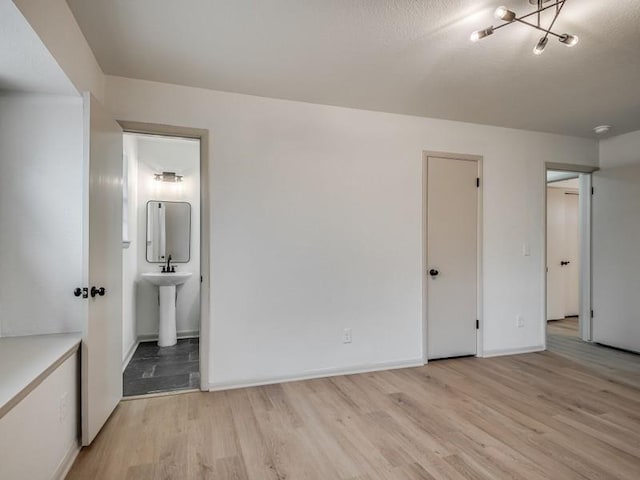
x=168 y=231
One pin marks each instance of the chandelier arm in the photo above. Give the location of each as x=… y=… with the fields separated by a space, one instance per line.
x=542 y=9
x=500 y=26
x=558 y=10
x=547 y=32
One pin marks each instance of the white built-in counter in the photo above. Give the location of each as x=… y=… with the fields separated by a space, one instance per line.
x=26 y=361
x=39 y=405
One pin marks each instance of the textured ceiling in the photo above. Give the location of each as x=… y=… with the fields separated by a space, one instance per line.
x=402 y=56
x=26 y=66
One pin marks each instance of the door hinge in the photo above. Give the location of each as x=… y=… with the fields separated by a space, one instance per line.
x=591 y=313
x=478 y=182
x=200 y=278
x=593 y=190
x=477 y=324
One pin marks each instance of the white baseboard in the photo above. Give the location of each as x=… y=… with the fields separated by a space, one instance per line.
x=67 y=462
x=152 y=337
x=130 y=352
x=320 y=373
x=512 y=351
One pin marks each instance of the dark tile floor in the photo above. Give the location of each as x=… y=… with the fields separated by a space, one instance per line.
x=155 y=369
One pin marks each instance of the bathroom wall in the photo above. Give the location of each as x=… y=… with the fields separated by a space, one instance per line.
x=129 y=254
x=155 y=155
x=41 y=193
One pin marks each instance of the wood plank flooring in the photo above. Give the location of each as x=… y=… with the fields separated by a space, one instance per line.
x=572 y=412
x=567 y=326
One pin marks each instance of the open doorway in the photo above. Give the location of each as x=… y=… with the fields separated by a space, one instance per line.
x=161 y=264
x=568 y=255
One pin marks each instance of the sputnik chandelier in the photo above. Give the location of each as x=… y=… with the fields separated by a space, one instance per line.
x=509 y=17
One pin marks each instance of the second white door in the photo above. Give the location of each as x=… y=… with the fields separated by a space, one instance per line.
x=563 y=253
x=452 y=257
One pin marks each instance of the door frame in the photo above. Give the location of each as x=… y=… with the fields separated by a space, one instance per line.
x=585 y=319
x=479 y=297
x=205 y=289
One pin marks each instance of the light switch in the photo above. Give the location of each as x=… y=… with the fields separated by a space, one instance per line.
x=526 y=250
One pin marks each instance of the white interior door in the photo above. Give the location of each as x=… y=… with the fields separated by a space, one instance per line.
x=572 y=255
x=616 y=262
x=563 y=253
x=556 y=233
x=452 y=257
x=102 y=340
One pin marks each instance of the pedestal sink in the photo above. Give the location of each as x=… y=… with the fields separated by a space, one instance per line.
x=166 y=282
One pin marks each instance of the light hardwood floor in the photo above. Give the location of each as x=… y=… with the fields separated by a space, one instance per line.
x=572 y=412
x=567 y=326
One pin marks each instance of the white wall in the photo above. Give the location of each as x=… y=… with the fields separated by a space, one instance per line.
x=616 y=236
x=35 y=443
x=57 y=28
x=129 y=255
x=316 y=225
x=41 y=187
x=182 y=156
x=620 y=151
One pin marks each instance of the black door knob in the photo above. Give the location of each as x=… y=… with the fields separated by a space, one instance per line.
x=563 y=263
x=84 y=292
x=98 y=291
x=433 y=272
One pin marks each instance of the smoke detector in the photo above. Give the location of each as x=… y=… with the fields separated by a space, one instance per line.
x=602 y=129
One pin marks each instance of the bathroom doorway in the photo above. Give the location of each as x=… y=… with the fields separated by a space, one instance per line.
x=162 y=245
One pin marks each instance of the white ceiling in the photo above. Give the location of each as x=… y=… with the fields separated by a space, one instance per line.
x=404 y=56
x=26 y=66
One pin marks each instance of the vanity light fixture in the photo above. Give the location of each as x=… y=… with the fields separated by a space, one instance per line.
x=509 y=17
x=167 y=177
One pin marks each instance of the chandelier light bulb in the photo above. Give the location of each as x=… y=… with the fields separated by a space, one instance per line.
x=505 y=14
x=478 y=34
x=539 y=48
x=569 y=40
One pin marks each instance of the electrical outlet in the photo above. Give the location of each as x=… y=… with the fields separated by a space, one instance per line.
x=63 y=407
x=346 y=335
x=519 y=321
